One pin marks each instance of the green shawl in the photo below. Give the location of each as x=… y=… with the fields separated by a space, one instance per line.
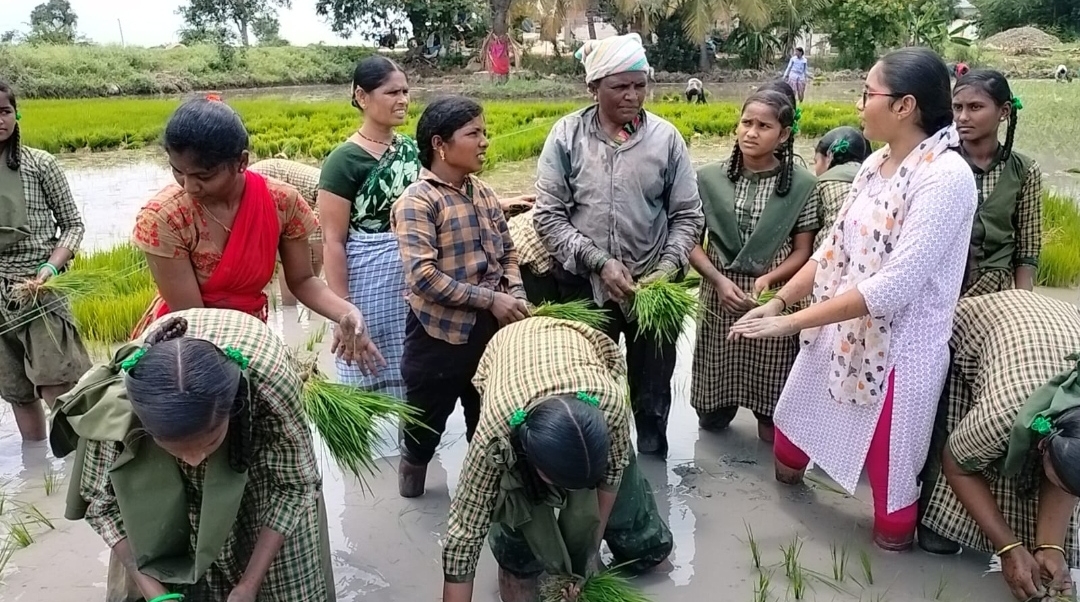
x=14 y=223
x=993 y=233
x=564 y=545
x=773 y=229
x=1047 y=402
x=146 y=480
x=845 y=172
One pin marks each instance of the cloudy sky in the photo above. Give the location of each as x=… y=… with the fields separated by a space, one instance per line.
x=154 y=22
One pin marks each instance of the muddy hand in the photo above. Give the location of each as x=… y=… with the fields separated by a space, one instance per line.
x=571 y=592
x=352 y=343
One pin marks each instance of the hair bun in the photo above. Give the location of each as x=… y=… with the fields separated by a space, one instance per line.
x=172 y=328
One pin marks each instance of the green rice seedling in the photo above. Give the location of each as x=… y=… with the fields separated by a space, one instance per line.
x=70 y=284
x=583 y=311
x=755 y=550
x=692 y=280
x=839 y=556
x=761 y=588
x=940 y=588
x=791 y=556
x=765 y=296
x=7 y=550
x=349 y=420
x=53 y=480
x=34 y=516
x=797 y=580
x=867 y=566
x=1059 y=259
x=19 y=534
x=316 y=338
x=662 y=308
x=606 y=586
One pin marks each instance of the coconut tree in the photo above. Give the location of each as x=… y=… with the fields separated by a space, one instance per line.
x=792 y=18
x=701 y=17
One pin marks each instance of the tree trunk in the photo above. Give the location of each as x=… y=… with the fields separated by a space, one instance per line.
x=500 y=16
x=704 y=60
x=590 y=20
x=242 y=25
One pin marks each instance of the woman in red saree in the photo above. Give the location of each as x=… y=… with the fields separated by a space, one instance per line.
x=212 y=239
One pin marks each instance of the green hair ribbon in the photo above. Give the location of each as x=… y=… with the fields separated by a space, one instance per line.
x=237 y=356
x=517 y=418
x=1042 y=425
x=1017 y=103
x=589 y=399
x=133 y=359
x=795 y=121
x=18 y=115
x=840 y=146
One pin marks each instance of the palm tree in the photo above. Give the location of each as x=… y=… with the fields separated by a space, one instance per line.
x=792 y=18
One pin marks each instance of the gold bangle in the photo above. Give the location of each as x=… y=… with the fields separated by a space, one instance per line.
x=1050 y=546
x=1009 y=548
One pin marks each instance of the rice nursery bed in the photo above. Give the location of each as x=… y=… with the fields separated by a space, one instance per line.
x=312 y=129
x=107 y=315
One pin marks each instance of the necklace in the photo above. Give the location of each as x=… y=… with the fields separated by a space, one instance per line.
x=207 y=211
x=372 y=140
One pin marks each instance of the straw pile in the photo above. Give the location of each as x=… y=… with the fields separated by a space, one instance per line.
x=1021 y=38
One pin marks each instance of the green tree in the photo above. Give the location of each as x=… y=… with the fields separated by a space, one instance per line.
x=1061 y=17
x=379 y=18
x=53 y=22
x=793 y=18
x=857 y=28
x=267 y=31
x=204 y=16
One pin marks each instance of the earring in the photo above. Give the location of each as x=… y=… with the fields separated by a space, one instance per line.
x=442 y=154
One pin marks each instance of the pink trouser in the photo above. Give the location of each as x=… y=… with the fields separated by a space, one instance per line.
x=898 y=525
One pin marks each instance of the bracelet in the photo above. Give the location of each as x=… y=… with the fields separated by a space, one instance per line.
x=167 y=597
x=1009 y=548
x=52 y=268
x=1050 y=546
x=781 y=299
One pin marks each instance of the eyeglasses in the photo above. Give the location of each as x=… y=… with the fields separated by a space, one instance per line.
x=867 y=94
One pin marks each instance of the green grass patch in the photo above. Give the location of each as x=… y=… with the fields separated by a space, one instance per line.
x=298 y=130
x=1059 y=262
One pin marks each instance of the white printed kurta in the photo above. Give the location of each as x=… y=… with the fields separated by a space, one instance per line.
x=918 y=286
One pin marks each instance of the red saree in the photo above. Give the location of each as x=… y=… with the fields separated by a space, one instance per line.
x=247 y=263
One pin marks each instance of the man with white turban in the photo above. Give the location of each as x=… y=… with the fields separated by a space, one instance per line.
x=617 y=205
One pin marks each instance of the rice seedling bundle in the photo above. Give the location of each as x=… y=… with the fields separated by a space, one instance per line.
x=765 y=296
x=70 y=284
x=576 y=311
x=606 y=586
x=109 y=314
x=350 y=419
x=662 y=308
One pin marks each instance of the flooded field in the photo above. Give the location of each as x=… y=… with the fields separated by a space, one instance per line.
x=388 y=550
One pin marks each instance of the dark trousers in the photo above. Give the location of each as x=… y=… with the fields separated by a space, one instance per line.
x=540 y=289
x=437 y=374
x=650 y=362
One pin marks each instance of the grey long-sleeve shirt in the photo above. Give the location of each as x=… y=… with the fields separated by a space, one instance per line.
x=637 y=202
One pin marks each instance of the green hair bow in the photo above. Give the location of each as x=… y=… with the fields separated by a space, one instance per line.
x=18 y=115
x=1017 y=103
x=132 y=360
x=840 y=146
x=518 y=418
x=1042 y=425
x=589 y=399
x=237 y=356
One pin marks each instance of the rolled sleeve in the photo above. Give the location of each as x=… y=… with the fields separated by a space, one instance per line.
x=62 y=203
x=102 y=510
x=470 y=515
x=939 y=217
x=285 y=457
x=413 y=222
x=554 y=203
x=1029 y=219
x=686 y=220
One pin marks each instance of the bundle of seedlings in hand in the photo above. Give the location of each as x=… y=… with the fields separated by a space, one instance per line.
x=576 y=311
x=662 y=308
x=765 y=296
x=606 y=586
x=73 y=283
x=350 y=420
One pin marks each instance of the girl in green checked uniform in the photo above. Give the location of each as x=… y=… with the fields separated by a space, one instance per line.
x=760 y=216
x=195 y=465
x=554 y=432
x=1007 y=441
x=837 y=159
x=1006 y=237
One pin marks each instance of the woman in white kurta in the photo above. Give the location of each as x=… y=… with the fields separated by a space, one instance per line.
x=864 y=389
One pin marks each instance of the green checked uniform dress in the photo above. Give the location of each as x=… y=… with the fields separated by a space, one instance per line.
x=1005 y=346
x=283 y=489
x=525 y=362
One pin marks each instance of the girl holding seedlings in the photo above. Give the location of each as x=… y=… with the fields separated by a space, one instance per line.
x=462 y=275
x=1007 y=426
x=195 y=465
x=837 y=159
x=41 y=354
x=864 y=389
x=1007 y=234
x=212 y=239
x=554 y=432
x=360 y=180
x=761 y=216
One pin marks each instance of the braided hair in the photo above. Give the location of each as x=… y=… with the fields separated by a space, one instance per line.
x=784 y=110
x=994 y=85
x=14 y=144
x=183 y=387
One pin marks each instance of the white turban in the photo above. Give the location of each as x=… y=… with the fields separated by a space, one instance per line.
x=617 y=54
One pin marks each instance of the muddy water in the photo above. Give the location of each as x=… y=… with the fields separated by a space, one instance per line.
x=388 y=550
